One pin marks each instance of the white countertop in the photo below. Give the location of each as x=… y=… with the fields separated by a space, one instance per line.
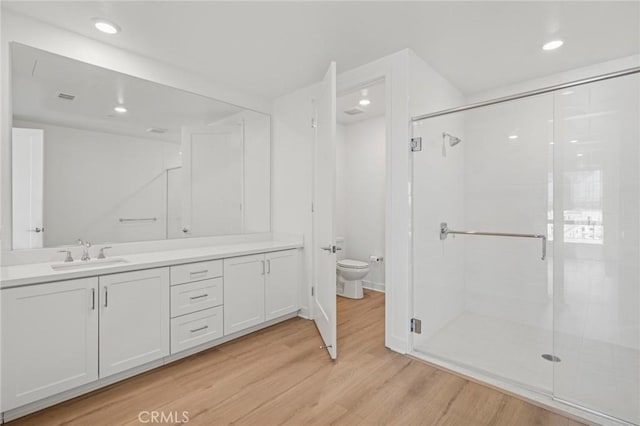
x=35 y=273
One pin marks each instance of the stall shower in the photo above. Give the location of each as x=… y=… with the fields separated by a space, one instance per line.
x=526 y=243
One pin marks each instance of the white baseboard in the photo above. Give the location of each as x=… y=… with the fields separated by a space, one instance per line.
x=370 y=285
x=396 y=344
x=304 y=312
x=304 y=315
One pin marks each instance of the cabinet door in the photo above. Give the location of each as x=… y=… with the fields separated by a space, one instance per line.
x=49 y=339
x=134 y=319
x=243 y=292
x=281 y=287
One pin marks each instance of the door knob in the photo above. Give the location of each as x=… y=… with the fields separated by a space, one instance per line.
x=38 y=230
x=331 y=249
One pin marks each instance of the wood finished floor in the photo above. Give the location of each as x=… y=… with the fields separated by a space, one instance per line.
x=280 y=376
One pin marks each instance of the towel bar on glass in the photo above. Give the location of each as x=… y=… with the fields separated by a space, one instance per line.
x=445 y=231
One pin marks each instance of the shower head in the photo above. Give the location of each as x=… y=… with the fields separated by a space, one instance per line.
x=453 y=140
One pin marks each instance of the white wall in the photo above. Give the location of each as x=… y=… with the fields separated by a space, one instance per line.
x=291 y=175
x=257 y=165
x=553 y=79
x=92 y=179
x=360 y=187
x=341 y=190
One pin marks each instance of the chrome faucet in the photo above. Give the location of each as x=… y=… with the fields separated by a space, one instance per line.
x=85 y=250
x=68 y=258
x=101 y=254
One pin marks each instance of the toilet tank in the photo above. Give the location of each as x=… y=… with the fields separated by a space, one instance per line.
x=341 y=254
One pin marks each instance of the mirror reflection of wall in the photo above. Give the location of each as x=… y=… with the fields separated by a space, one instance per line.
x=107 y=157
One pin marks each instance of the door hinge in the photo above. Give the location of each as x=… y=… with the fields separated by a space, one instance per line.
x=312 y=208
x=416 y=326
x=416 y=144
x=313 y=123
x=313 y=292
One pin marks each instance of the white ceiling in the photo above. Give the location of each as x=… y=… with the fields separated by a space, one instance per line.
x=375 y=93
x=271 y=48
x=38 y=77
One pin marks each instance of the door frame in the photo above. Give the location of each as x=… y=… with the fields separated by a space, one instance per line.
x=394 y=70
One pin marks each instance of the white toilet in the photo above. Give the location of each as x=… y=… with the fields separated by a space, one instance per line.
x=349 y=274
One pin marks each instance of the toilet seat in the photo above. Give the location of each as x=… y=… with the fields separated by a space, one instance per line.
x=352 y=264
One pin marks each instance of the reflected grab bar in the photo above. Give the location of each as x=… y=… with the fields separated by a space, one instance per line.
x=445 y=231
x=142 y=219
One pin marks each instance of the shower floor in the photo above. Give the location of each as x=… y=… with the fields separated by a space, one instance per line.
x=602 y=376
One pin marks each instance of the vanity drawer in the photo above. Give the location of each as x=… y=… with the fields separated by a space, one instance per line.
x=196 y=296
x=195 y=329
x=196 y=271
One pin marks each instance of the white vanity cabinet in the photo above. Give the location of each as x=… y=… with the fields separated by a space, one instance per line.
x=65 y=336
x=134 y=319
x=49 y=339
x=259 y=288
x=243 y=292
x=281 y=283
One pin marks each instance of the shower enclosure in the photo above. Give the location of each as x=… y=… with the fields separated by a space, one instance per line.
x=526 y=244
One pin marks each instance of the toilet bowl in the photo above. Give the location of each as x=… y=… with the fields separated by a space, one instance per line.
x=349 y=278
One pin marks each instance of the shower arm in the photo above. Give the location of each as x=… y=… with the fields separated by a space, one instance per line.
x=445 y=231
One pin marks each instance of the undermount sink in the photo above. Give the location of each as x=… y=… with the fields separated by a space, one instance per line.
x=76 y=265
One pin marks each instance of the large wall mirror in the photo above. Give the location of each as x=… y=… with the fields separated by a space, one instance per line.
x=107 y=157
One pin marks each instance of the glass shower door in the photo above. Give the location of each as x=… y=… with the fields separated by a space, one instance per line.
x=597 y=239
x=485 y=302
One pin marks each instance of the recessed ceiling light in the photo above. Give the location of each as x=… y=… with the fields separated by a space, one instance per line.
x=364 y=102
x=552 y=45
x=513 y=136
x=580 y=155
x=106 y=26
x=567 y=92
x=551 y=143
x=120 y=109
x=573 y=141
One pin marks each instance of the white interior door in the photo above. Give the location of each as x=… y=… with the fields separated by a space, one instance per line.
x=213 y=176
x=27 y=187
x=324 y=190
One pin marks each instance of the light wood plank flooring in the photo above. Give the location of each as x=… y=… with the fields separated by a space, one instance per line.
x=280 y=376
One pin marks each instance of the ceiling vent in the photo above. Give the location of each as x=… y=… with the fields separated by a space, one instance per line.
x=156 y=130
x=354 y=111
x=66 y=96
